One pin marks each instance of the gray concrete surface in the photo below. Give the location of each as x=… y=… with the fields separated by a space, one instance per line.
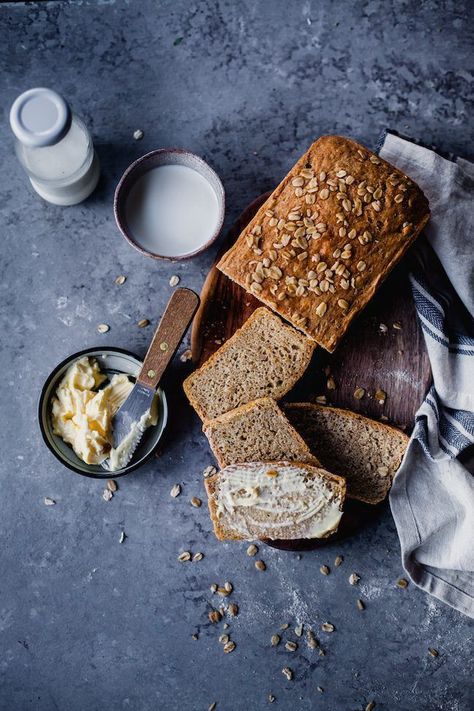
x=87 y=623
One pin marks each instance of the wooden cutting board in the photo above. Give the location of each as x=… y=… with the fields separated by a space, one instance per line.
x=383 y=350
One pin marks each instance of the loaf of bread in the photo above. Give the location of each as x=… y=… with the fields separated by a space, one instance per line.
x=367 y=453
x=256 y=432
x=263 y=358
x=325 y=239
x=274 y=500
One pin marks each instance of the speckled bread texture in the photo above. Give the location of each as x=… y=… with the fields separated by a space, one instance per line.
x=366 y=452
x=256 y=432
x=282 y=527
x=265 y=357
x=322 y=243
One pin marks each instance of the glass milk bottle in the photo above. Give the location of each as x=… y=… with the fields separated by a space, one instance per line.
x=54 y=147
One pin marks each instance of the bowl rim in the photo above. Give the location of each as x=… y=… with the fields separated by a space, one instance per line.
x=118 y=197
x=68 y=465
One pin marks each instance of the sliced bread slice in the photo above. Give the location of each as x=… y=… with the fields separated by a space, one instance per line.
x=264 y=358
x=256 y=432
x=274 y=500
x=367 y=453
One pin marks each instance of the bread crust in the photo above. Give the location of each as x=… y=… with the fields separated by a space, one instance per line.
x=383 y=428
x=262 y=311
x=227 y=534
x=400 y=213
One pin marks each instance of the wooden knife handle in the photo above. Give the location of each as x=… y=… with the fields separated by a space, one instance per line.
x=173 y=325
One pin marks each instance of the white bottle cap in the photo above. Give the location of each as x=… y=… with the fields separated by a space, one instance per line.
x=40 y=117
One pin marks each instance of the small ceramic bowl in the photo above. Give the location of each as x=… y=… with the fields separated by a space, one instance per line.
x=111 y=361
x=156 y=159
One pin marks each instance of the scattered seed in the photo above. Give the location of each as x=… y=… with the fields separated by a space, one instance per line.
x=311 y=640
x=209 y=471
x=198 y=556
x=222 y=592
x=402 y=583
x=214 y=616
x=383 y=327
x=380 y=396
x=260 y=565
x=252 y=549
x=122 y=537
x=196 y=502
x=359 y=393
x=194 y=636
x=229 y=647
x=213 y=706
x=143 y=323
x=327 y=627
x=321 y=399
x=213 y=588
x=370 y=706
x=360 y=604
x=383 y=471
x=331 y=383
x=354 y=578
x=299 y=630
x=174 y=281
x=275 y=640
x=112 y=485
x=233 y=609
x=229 y=587
x=284 y=626
x=175 y=491
x=433 y=652
x=225 y=626
x=121 y=279
x=291 y=646
x=138 y=134
x=224 y=638
x=103 y=328
x=184 y=557
x=338 y=561
x=49 y=502
x=107 y=494
x=320 y=689
x=324 y=570
x=286 y=671
x=186 y=355
x=397 y=326
x=271 y=698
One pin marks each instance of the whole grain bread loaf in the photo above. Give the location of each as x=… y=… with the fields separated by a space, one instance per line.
x=255 y=432
x=325 y=239
x=263 y=358
x=274 y=500
x=366 y=452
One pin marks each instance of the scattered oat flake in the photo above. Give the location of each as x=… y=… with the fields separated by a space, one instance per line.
x=225 y=626
x=354 y=578
x=103 y=328
x=360 y=605
x=260 y=565
x=380 y=396
x=311 y=640
x=275 y=640
x=143 y=323
x=213 y=588
x=186 y=355
x=359 y=393
x=121 y=279
x=112 y=485
x=214 y=616
x=209 y=471
x=198 y=556
x=224 y=638
x=383 y=328
x=284 y=626
x=229 y=647
x=122 y=537
x=175 y=491
x=213 y=706
x=433 y=652
x=138 y=134
x=233 y=609
x=107 y=495
x=286 y=671
x=370 y=706
x=397 y=326
x=299 y=630
x=48 y=501
x=402 y=583
x=174 y=281
x=338 y=561
x=321 y=399
x=184 y=556
x=291 y=646
x=229 y=587
x=196 y=502
x=324 y=570
x=327 y=627
x=252 y=549
x=331 y=383
x=222 y=592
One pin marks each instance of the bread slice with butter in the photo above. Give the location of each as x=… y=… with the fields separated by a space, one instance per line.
x=366 y=452
x=274 y=500
x=264 y=358
x=257 y=431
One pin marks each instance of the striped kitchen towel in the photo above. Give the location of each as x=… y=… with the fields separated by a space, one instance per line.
x=432 y=497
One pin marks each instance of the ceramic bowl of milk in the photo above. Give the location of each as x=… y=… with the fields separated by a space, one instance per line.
x=169 y=204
